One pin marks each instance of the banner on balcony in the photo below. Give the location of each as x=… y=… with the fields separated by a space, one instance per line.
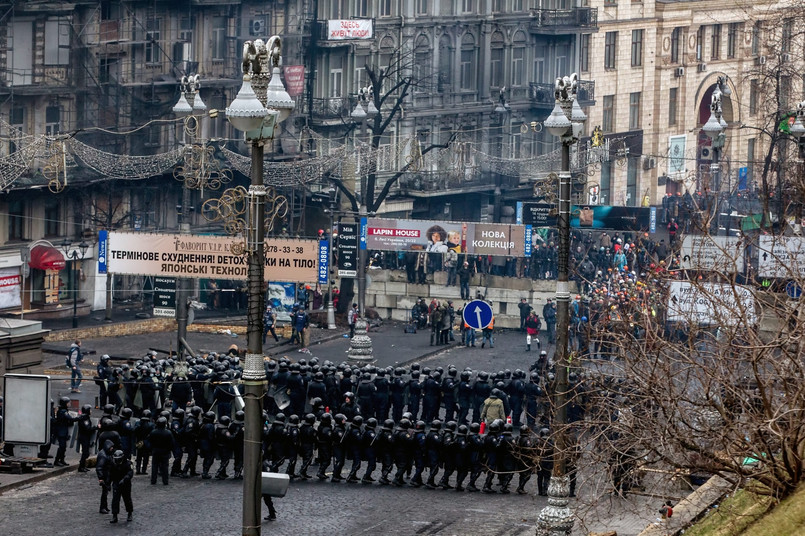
x=208 y=257
x=294 y=79
x=440 y=236
x=338 y=30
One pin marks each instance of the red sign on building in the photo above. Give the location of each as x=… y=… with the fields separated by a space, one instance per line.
x=295 y=79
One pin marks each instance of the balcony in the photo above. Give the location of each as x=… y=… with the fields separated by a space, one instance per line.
x=329 y=109
x=560 y=21
x=542 y=94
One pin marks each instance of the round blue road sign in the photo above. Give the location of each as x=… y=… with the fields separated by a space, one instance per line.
x=793 y=290
x=478 y=314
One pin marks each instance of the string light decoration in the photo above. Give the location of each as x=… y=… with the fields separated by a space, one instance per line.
x=117 y=166
x=55 y=167
x=231 y=209
x=13 y=166
x=200 y=169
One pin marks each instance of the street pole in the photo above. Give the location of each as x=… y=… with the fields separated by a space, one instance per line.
x=74 y=256
x=330 y=302
x=254 y=376
x=256 y=112
x=565 y=121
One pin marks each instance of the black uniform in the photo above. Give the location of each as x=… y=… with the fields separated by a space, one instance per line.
x=449 y=386
x=206 y=445
x=431 y=394
x=481 y=391
x=160 y=441
x=307 y=444
x=464 y=399
x=339 y=451
x=61 y=430
x=433 y=446
x=190 y=440
x=120 y=475
x=380 y=399
x=85 y=433
x=397 y=396
x=102 y=464
x=142 y=430
x=324 y=440
x=414 y=395
x=403 y=453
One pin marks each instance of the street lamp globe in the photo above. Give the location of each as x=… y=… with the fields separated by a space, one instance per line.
x=182 y=107
x=277 y=98
x=246 y=112
x=713 y=127
x=358 y=113
x=198 y=104
x=371 y=109
x=577 y=115
x=557 y=123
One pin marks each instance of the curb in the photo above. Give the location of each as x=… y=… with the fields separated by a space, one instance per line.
x=37 y=478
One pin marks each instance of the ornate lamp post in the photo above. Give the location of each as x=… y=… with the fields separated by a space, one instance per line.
x=331 y=196
x=261 y=103
x=566 y=122
x=74 y=256
x=714 y=128
x=362 y=116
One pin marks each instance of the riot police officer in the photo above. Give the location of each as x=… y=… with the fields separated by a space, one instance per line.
x=290 y=441
x=324 y=441
x=223 y=444
x=481 y=390
x=475 y=447
x=464 y=396
x=61 y=430
x=339 y=451
x=397 y=395
x=491 y=442
x=384 y=447
x=403 y=451
x=525 y=446
x=433 y=446
x=420 y=453
x=206 y=444
x=447 y=454
x=449 y=387
x=368 y=449
x=85 y=433
x=354 y=447
x=190 y=439
x=414 y=393
x=380 y=398
x=120 y=474
x=276 y=443
x=236 y=431
x=177 y=429
x=506 y=458
x=142 y=430
x=307 y=443
x=161 y=441
x=104 y=373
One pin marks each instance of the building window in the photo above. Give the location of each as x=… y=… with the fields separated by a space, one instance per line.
x=634 y=111
x=422 y=61
x=631 y=182
x=153 y=35
x=52 y=220
x=676 y=40
x=757 y=30
x=386 y=8
x=637 y=48
x=518 y=66
x=753 y=89
x=361 y=8
x=715 y=42
x=16 y=118
x=605 y=192
x=468 y=63
x=732 y=39
x=218 y=38
x=700 y=43
x=57 y=42
x=16 y=220
x=421 y=7
x=467 y=6
x=584 y=54
x=517 y=5
x=496 y=61
x=750 y=161
x=672 y=100
x=445 y=77
x=788 y=32
x=610 y=49
x=498 y=6
x=608 y=120
x=52 y=120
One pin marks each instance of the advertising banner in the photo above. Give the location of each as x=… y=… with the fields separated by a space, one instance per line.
x=294 y=79
x=338 y=30
x=324 y=261
x=281 y=296
x=717 y=253
x=10 y=287
x=536 y=214
x=165 y=296
x=615 y=218
x=676 y=155
x=710 y=304
x=347 y=249
x=208 y=257
x=440 y=236
x=102 y=246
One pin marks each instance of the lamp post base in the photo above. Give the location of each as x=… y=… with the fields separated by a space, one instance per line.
x=330 y=316
x=360 y=346
x=556 y=519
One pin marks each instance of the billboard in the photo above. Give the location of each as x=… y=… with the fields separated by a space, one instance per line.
x=781 y=256
x=440 y=236
x=173 y=255
x=711 y=304
x=165 y=296
x=536 y=214
x=26 y=413
x=615 y=218
x=294 y=79
x=347 y=249
x=10 y=287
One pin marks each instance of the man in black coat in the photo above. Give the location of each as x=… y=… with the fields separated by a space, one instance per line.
x=120 y=475
x=102 y=464
x=85 y=432
x=160 y=441
x=61 y=430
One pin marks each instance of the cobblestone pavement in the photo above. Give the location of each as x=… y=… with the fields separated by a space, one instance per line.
x=69 y=505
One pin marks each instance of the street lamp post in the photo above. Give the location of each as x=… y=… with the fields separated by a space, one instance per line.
x=566 y=121
x=74 y=256
x=361 y=115
x=714 y=128
x=187 y=107
x=256 y=112
x=331 y=193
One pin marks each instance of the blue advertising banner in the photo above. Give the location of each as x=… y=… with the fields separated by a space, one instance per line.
x=102 y=246
x=519 y=220
x=652 y=222
x=363 y=233
x=743 y=178
x=528 y=234
x=324 y=261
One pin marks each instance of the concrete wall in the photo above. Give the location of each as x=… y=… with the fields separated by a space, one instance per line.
x=392 y=297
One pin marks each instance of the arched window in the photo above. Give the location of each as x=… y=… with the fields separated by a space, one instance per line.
x=496 y=61
x=422 y=58
x=468 y=62
x=518 y=74
x=445 y=64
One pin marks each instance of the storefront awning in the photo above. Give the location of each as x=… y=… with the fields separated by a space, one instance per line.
x=46 y=258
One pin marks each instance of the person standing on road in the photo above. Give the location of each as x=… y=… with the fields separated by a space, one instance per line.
x=268 y=324
x=352 y=317
x=102 y=466
x=61 y=430
x=488 y=334
x=160 y=441
x=85 y=432
x=120 y=475
x=525 y=310
x=532 y=327
x=464 y=274
x=549 y=314
x=74 y=359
